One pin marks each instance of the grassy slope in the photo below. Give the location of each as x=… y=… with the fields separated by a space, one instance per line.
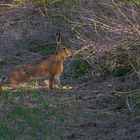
x=58 y=115
x=78 y=114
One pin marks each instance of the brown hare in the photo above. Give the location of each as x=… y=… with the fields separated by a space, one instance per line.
x=52 y=67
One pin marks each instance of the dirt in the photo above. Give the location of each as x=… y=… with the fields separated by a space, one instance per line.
x=91 y=108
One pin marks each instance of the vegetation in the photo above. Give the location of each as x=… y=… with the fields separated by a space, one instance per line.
x=36 y=45
x=101 y=96
x=78 y=68
x=121 y=61
x=32 y=114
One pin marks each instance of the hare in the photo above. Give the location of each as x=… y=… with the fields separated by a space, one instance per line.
x=52 y=67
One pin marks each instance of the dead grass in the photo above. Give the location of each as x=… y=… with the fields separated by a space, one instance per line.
x=102 y=108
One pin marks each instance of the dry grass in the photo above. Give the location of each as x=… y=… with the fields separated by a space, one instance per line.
x=96 y=105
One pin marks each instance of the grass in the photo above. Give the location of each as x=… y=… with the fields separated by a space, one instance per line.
x=6 y=133
x=35 y=45
x=26 y=119
x=57 y=115
x=36 y=114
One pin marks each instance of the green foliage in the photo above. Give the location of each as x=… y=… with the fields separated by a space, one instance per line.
x=20 y=111
x=42 y=3
x=101 y=116
x=121 y=103
x=22 y=120
x=38 y=46
x=48 y=50
x=33 y=45
x=138 y=1
x=14 y=61
x=3 y=61
x=130 y=1
x=135 y=98
x=11 y=61
x=26 y=119
x=124 y=88
x=3 y=8
x=118 y=62
x=79 y=67
x=6 y=133
x=1 y=72
x=57 y=10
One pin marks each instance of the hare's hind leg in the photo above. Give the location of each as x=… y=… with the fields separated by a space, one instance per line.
x=51 y=82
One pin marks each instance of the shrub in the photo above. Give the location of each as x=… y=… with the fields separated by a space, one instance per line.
x=121 y=60
x=78 y=67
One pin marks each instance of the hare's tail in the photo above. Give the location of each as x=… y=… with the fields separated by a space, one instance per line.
x=4 y=78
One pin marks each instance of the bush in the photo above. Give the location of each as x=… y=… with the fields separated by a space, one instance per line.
x=78 y=67
x=121 y=60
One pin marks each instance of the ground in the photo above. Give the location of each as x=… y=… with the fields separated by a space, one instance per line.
x=90 y=110
x=66 y=114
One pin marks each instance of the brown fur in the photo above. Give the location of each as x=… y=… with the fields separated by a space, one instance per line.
x=51 y=67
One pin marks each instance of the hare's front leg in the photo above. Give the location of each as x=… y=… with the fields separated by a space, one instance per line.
x=57 y=79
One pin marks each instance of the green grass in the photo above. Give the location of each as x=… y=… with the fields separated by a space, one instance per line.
x=6 y=133
x=125 y=87
x=24 y=119
x=135 y=99
x=36 y=45
x=57 y=3
x=37 y=121
x=121 y=103
x=50 y=115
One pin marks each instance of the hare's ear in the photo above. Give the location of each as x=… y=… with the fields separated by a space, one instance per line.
x=58 y=40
